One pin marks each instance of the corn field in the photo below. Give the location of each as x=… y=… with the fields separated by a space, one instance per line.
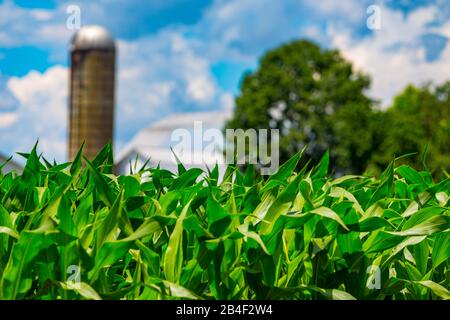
x=77 y=231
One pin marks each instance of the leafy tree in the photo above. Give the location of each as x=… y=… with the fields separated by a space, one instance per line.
x=313 y=96
x=418 y=122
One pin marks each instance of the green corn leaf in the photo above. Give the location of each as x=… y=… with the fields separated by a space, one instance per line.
x=283 y=172
x=321 y=169
x=407 y=242
x=187 y=179
x=173 y=258
x=441 y=248
x=76 y=166
x=107 y=231
x=218 y=218
x=104 y=190
x=411 y=175
x=85 y=290
x=10 y=232
x=381 y=241
x=341 y=192
x=281 y=205
x=17 y=277
x=436 y=288
x=330 y=214
x=109 y=253
x=428 y=227
x=156 y=234
x=148 y=228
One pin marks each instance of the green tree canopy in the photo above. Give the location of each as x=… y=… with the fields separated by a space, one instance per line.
x=418 y=122
x=314 y=97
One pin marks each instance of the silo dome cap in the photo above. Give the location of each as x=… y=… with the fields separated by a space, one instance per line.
x=92 y=37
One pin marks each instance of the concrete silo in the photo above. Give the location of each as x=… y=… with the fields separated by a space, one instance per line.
x=92 y=84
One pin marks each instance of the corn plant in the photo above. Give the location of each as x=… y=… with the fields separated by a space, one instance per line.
x=77 y=231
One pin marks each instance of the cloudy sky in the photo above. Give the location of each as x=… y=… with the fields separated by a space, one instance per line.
x=189 y=55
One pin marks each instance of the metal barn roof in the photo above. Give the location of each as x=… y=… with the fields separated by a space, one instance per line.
x=154 y=142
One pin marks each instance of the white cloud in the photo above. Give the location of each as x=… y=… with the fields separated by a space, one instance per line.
x=7 y=119
x=170 y=70
x=443 y=29
x=227 y=101
x=393 y=56
x=41 y=113
x=201 y=89
x=158 y=75
x=22 y=26
x=243 y=29
x=352 y=10
x=42 y=15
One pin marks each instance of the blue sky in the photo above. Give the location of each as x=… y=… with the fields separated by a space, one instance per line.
x=189 y=55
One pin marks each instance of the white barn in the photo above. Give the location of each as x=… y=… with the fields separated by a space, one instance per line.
x=190 y=136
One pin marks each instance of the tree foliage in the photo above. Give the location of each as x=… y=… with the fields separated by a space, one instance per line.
x=418 y=122
x=315 y=98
